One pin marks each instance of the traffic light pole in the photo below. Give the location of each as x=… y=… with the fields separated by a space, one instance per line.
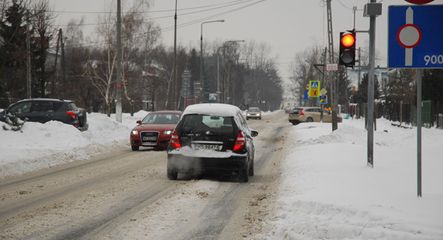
x=371 y=89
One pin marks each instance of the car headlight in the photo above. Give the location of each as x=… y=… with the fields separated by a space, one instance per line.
x=167 y=132
x=134 y=132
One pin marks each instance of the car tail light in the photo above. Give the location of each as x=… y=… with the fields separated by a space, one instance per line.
x=174 y=143
x=240 y=142
x=72 y=114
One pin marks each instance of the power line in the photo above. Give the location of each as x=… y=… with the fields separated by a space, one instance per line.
x=187 y=24
x=170 y=16
x=150 y=11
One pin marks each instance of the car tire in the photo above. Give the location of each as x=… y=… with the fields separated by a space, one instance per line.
x=172 y=174
x=244 y=174
x=251 y=168
x=247 y=118
x=134 y=148
x=309 y=119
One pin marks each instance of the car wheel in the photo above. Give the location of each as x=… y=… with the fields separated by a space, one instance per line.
x=309 y=119
x=251 y=168
x=134 y=148
x=247 y=118
x=244 y=174
x=172 y=174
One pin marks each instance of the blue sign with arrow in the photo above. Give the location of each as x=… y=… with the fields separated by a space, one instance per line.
x=415 y=37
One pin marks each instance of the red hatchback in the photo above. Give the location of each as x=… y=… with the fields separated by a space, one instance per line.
x=154 y=130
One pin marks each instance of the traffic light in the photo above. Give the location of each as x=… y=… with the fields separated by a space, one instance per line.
x=347 y=48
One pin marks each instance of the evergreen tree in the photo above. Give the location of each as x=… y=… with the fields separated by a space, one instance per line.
x=194 y=67
x=363 y=89
x=13 y=52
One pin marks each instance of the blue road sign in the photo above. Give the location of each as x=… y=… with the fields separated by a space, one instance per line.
x=305 y=95
x=415 y=36
x=323 y=99
x=314 y=84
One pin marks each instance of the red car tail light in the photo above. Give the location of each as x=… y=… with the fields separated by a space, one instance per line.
x=301 y=112
x=240 y=142
x=72 y=114
x=174 y=143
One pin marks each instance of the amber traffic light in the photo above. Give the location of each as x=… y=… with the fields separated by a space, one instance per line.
x=347 y=48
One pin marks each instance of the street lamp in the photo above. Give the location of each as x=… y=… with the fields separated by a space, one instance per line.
x=201 y=51
x=226 y=43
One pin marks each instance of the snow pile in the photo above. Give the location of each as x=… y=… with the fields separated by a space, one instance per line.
x=328 y=192
x=44 y=145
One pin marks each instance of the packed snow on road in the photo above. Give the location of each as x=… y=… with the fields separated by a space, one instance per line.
x=326 y=190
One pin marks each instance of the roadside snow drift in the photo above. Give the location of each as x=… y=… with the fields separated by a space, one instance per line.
x=328 y=192
x=44 y=145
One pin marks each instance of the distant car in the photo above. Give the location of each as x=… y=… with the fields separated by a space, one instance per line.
x=211 y=138
x=154 y=130
x=310 y=114
x=47 y=109
x=253 y=112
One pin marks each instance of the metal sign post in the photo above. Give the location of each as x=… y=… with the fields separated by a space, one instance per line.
x=419 y=123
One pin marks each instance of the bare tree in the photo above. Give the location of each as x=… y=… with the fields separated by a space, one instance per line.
x=42 y=22
x=137 y=33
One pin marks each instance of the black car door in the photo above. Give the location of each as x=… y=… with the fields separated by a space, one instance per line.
x=41 y=111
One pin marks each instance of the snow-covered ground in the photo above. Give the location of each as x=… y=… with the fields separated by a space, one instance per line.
x=328 y=192
x=43 y=145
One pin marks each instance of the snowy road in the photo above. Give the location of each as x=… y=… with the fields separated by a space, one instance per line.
x=126 y=195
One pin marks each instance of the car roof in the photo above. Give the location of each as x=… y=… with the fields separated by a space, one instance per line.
x=212 y=109
x=166 y=112
x=45 y=99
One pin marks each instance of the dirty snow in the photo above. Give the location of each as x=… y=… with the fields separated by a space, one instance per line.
x=40 y=145
x=326 y=192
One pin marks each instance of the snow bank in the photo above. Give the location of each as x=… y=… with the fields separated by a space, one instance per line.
x=44 y=145
x=328 y=192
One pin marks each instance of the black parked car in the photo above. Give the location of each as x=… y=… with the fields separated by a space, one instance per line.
x=211 y=138
x=46 y=109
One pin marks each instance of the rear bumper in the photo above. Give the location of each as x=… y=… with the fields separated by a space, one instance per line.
x=195 y=165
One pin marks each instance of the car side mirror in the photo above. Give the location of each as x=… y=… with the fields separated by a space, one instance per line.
x=139 y=122
x=254 y=133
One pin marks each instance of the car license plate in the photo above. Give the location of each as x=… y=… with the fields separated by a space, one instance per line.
x=149 y=138
x=207 y=147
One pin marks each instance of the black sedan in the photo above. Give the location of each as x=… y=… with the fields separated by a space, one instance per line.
x=211 y=138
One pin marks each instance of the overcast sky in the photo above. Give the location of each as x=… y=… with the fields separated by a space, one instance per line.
x=288 y=26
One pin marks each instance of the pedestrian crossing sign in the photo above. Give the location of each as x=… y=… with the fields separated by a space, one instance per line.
x=314 y=88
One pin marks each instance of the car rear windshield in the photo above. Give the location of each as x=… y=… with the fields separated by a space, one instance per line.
x=196 y=123
x=296 y=110
x=154 y=118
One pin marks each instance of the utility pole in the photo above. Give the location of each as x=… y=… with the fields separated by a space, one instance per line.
x=118 y=105
x=331 y=60
x=28 y=59
x=62 y=60
x=174 y=73
x=359 y=81
x=354 y=10
x=55 y=80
